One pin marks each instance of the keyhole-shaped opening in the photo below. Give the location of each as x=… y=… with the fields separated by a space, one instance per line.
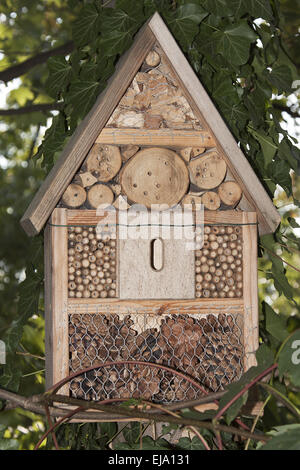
x=156 y=254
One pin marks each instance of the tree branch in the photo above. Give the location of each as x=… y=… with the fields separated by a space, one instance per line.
x=20 y=69
x=286 y=109
x=37 y=403
x=32 y=108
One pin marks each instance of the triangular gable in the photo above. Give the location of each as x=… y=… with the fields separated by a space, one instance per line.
x=168 y=103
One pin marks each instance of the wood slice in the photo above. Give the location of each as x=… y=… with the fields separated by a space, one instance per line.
x=211 y=201
x=74 y=196
x=155 y=176
x=152 y=59
x=208 y=171
x=230 y=193
x=104 y=161
x=100 y=194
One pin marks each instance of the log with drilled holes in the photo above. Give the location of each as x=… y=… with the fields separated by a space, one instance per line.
x=211 y=201
x=230 y=193
x=74 y=196
x=103 y=161
x=208 y=170
x=100 y=195
x=155 y=176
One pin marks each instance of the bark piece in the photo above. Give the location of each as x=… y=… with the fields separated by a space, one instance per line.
x=130 y=119
x=197 y=151
x=208 y=171
x=86 y=179
x=211 y=201
x=128 y=151
x=74 y=196
x=100 y=194
x=191 y=199
x=186 y=153
x=155 y=176
x=121 y=204
x=116 y=188
x=103 y=161
x=152 y=121
x=230 y=193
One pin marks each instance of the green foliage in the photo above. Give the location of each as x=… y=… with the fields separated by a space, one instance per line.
x=289 y=359
x=284 y=438
x=245 y=65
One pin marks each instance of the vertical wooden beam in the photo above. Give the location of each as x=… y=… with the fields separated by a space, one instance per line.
x=250 y=288
x=56 y=298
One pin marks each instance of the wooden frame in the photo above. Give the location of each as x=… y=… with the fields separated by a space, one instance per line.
x=154 y=32
x=59 y=307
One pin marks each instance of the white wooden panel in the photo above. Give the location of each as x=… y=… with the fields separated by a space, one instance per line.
x=139 y=280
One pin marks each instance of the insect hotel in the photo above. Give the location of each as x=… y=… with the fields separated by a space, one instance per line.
x=149 y=318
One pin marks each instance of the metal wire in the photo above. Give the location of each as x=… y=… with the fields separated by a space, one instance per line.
x=208 y=348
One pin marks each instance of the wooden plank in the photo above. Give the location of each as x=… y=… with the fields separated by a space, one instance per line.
x=48 y=306
x=268 y=216
x=224 y=217
x=57 y=343
x=90 y=217
x=161 y=137
x=158 y=307
x=85 y=135
x=250 y=289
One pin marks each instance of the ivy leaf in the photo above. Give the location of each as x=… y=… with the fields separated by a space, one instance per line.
x=278 y=271
x=279 y=172
x=86 y=26
x=275 y=324
x=132 y=432
x=184 y=23
x=232 y=42
x=116 y=19
x=53 y=141
x=60 y=74
x=259 y=9
x=281 y=78
x=264 y=359
x=268 y=146
x=229 y=102
x=289 y=359
x=190 y=444
x=223 y=7
x=284 y=438
x=82 y=95
x=115 y=42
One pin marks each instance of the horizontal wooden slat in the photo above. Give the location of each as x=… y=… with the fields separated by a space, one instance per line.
x=89 y=217
x=161 y=137
x=156 y=306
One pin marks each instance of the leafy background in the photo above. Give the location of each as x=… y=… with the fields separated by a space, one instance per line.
x=245 y=54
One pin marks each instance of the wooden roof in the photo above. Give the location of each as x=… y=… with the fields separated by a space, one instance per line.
x=153 y=32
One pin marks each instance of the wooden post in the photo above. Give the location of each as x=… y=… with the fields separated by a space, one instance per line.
x=250 y=288
x=56 y=312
